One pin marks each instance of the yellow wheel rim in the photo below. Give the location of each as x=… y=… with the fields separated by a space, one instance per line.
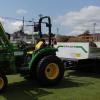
x=52 y=71
x=1 y=83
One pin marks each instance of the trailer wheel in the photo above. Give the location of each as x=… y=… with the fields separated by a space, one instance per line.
x=3 y=82
x=50 y=70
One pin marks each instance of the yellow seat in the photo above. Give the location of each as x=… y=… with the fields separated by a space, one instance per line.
x=39 y=45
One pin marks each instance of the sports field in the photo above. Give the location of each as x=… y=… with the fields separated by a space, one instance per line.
x=75 y=86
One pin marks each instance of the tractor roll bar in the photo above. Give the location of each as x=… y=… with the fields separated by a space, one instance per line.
x=48 y=25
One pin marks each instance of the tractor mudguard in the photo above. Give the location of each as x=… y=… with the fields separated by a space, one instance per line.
x=39 y=54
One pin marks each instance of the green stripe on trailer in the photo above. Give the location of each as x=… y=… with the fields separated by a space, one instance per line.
x=73 y=47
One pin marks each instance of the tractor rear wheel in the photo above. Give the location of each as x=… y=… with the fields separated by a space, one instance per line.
x=50 y=70
x=3 y=82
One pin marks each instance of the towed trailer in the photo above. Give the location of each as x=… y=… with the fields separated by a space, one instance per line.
x=78 y=54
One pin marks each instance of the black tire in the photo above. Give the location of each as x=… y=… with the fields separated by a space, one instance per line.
x=3 y=82
x=42 y=70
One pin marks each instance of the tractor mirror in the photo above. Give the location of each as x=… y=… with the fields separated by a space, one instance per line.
x=36 y=27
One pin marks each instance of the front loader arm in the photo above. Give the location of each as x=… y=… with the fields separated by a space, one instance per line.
x=4 y=39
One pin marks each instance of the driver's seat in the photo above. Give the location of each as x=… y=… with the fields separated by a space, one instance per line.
x=40 y=44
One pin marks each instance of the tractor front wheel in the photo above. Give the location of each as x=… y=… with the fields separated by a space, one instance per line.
x=50 y=70
x=3 y=82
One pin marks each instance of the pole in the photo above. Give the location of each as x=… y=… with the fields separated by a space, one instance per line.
x=23 y=25
x=94 y=24
x=57 y=30
x=33 y=31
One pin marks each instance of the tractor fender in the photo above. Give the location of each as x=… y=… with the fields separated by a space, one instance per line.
x=36 y=56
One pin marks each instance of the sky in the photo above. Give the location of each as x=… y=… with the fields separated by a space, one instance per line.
x=69 y=17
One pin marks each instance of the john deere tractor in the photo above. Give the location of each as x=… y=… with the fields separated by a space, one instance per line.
x=43 y=65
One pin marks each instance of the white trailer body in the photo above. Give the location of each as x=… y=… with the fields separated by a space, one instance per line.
x=77 y=50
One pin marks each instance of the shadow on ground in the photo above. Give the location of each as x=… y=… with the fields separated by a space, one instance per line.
x=88 y=68
x=25 y=90
x=71 y=80
x=84 y=73
x=29 y=90
x=73 y=77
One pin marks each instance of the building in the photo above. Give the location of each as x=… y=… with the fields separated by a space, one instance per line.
x=96 y=37
x=21 y=36
x=62 y=38
x=87 y=37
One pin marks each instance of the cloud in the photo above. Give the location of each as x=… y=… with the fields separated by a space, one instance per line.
x=21 y=11
x=11 y=26
x=2 y=20
x=79 y=21
x=16 y=24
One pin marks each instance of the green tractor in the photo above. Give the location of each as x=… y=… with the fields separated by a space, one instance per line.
x=43 y=65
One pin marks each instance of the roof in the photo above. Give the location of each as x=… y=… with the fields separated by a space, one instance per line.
x=85 y=34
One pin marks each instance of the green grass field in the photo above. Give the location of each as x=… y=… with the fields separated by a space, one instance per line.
x=75 y=86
